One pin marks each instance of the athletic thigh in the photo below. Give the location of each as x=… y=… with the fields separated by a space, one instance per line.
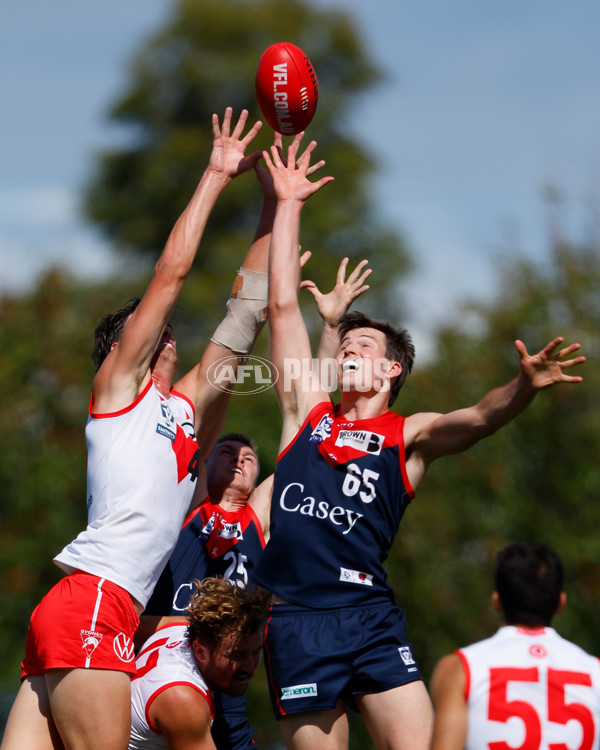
x=91 y=707
x=30 y=724
x=317 y=730
x=400 y=718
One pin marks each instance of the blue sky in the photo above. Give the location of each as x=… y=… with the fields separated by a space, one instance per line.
x=485 y=101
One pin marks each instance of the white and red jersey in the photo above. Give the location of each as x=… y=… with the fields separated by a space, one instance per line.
x=531 y=689
x=165 y=660
x=141 y=473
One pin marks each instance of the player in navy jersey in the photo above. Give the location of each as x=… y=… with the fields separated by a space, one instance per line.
x=223 y=536
x=344 y=477
x=526 y=686
x=225 y=533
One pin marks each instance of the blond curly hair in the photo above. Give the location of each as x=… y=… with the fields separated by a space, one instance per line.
x=219 y=608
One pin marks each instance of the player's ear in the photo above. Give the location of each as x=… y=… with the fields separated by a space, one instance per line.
x=562 y=602
x=496 y=603
x=201 y=652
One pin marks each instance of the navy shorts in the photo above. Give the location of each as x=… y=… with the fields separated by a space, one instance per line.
x=315 y=656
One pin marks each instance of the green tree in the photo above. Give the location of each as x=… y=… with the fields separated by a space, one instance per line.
x=202 y=61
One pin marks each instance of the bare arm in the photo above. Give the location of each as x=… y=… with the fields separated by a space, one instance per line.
x=126 y=370
x=260 y=500
x=448 y=695
x=182 y=715
x=429 y=436
x=290 y=345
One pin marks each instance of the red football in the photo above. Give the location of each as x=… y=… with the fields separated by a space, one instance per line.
x=286 y=88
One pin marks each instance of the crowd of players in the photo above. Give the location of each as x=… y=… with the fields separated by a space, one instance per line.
x=150 y=638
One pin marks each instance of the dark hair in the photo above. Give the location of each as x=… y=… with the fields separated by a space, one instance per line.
x=529 y=580
x=399 y=345
x=109 y=329
x=219 y=607
x=238 y=437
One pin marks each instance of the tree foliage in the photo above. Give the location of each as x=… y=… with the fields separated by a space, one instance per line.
x=202 y=61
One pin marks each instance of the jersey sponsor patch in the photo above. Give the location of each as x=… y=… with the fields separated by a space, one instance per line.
x=361 y=440
x=355 y=576
x=406 y=655
x=166 y=424
x=300 y=691
x=123 y=647
x=322 y=431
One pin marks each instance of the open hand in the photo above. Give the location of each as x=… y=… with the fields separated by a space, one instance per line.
x=228 y=153
x=290 y=176
x=334 y=305
x=546 y=368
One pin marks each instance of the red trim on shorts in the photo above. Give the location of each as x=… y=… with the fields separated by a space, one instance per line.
x=268 y=663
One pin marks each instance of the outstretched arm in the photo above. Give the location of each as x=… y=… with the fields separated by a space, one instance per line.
x=429 y=436
x=333 y=306
x=290 y=345
x=126 y=370
x=448 y=695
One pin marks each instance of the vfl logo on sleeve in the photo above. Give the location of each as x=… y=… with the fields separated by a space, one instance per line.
x=166 y=424
x=322 y=431
x=299 y=691
x=361 y=440
x=355 y=576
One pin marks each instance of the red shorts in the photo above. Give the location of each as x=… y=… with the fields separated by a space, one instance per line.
x=83 y=621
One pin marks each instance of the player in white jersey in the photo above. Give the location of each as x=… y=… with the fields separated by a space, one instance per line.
x=142 y=466
x=526 y=686
x=218 y=648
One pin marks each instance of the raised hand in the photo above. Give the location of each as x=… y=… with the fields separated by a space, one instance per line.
x=228 y=153
x=546 y=368
x=264 y=176
x=334 y=305
x=290 y=176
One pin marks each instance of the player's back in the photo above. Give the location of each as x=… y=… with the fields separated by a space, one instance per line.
x=531 y=688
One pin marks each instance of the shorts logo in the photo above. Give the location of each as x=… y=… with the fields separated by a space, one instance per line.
x=123 y=647
x=361 y=440
x=299 y=691
x=166 y=423
x=91 y=640
x=355 y=576
x=321 y=431
x=406 y=655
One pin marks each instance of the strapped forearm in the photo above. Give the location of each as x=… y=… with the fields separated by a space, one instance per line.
x=246 y=312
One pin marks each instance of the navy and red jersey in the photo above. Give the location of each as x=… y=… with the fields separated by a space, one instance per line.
x=212 y=542
x=339 y=494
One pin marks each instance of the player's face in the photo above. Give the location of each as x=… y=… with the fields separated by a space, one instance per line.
x=362 y=362
x=232 y=464
x=229 y=666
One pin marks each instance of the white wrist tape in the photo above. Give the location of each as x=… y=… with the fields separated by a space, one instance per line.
x=246 y=312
